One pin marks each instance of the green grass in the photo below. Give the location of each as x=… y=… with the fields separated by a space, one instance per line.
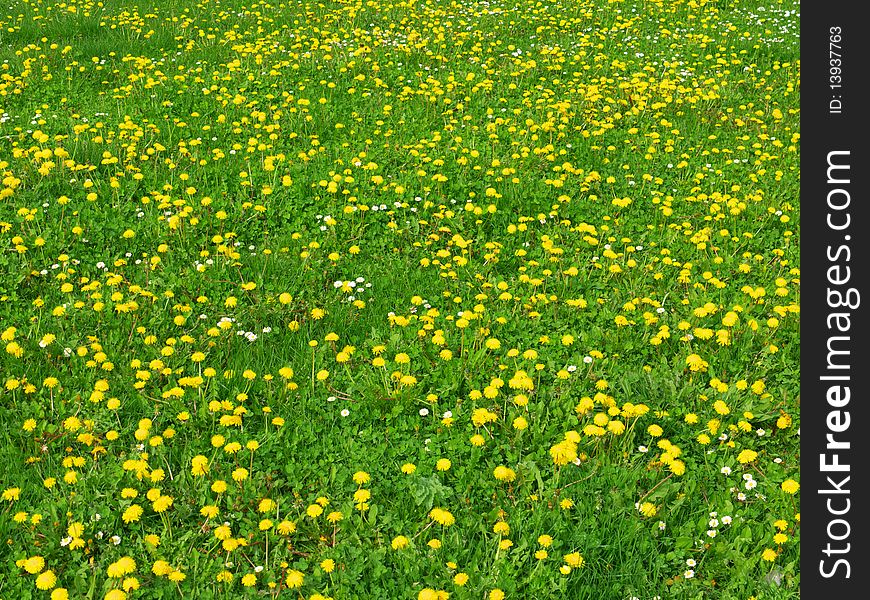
x=574 y=237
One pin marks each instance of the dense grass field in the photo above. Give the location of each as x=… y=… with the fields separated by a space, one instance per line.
x=370 y=299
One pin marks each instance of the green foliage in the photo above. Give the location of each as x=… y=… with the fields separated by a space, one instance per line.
x=399 y=300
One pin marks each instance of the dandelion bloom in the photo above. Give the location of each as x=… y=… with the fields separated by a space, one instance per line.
x=563 y=452
x=46 y=580
x=224 y=577
x=648 y=509
x=132 y=514
x=162 y=503
x=11 y=494
x=123 y=566
x=34 y=564
x=503 y=473
x=696 y=363
x=75 y=530
x=790 y=486
x=294 y=579
x=286 y=527
x=746 y=456
x=481 y=416
x=574 y=559
x=441 y=516
x=198 y=465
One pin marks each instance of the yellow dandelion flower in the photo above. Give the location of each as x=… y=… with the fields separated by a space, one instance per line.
x=648 y=509
x=199 y=465
x=790 y=486
x=294 y=579
x=747 y=456
x=286 y=527
x=162 y=503
x=161 y=568
x=123 y=566
x=503 y=473
x=34 y=564
x=46 y=580
x=441 y=516
x=132 y=514
x=573 y=559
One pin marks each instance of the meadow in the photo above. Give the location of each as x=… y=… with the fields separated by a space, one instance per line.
x=416 y=299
